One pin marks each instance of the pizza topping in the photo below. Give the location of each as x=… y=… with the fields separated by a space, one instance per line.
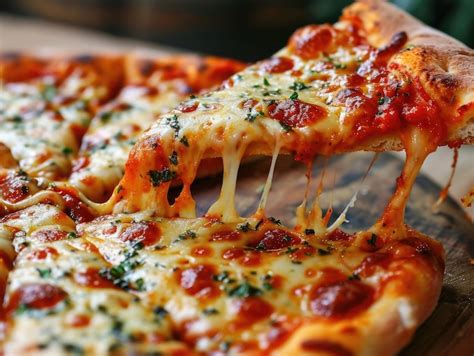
x=14 y=187
x=198 y=281
x=92 y=278
x=36 y=296
x=147 y=233
x=75 y=208
x=225 y=235
x=275 y=239
x=340 y=299
x=250 y=310
x=49 y=235
x=277 y=64
x=309 y=41
x=295 y=113
x=79 y=320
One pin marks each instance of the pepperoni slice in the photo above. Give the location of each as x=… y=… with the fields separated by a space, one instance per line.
x=296 y=113
x=276 y=239
x=75 y=208
x=14 y=187
x=225 y=235
x=36 y=296
x=43 y=253
x=188 y=107
x=146 y=232
x=49 y=235
x=198 y=281
x=309 y=41
x=250 y=310
x=340 y=299
x=92 y=279
x=277 y=64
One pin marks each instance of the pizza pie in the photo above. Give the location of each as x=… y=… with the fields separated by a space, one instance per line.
x=100 y=261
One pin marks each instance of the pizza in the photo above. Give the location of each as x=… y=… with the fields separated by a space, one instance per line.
x=96 y=259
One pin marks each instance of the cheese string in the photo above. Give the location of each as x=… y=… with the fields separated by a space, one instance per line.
x=342 y=217
x=444 y=192
x=268 y=183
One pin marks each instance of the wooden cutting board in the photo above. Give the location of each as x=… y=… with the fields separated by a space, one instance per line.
x=450 y=329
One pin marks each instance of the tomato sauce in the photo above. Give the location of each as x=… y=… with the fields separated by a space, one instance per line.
x=75 y=208
x=91 y=278
x=296 y=113
x=250 y=310
x=36 y=296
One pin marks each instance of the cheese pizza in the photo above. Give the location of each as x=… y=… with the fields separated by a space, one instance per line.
x=101 y=262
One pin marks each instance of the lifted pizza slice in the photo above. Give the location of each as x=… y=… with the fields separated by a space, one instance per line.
x=361 y=84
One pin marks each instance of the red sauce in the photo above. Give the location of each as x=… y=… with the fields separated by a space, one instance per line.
x=325 y=347
x=296 y=113
x=49 y=235
x=201 y=251
x=188 y=107
x=339 y=235
x=146 y=232
x=277 y=64
x=250 y=310
x=309 y=41
x=251 y=259
x=233 y=253
x=199 y=281
x=92 y=279
x=369 y=264
x=275 y=239
x=75 y=208
x=43 y=253
x=302 y=253
x=340 y=299
x=14 y=188
x=225 y=235
x=79 y=321
x=36 y=296
x=80 y=163
x=5 y=258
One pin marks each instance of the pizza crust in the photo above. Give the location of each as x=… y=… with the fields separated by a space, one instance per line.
x=411 y=293
x=443 y=65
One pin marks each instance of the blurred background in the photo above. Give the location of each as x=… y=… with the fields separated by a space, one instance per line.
x=243 y=29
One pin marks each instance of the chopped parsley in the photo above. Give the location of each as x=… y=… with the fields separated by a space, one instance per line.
x=174 y=158
x=160 y=313
x=105 y=116
x=244 y=227
x=354 y=277
x=297 y=85
x=309 y=232
x=49 y=92
x=274 y=220
x=323 y=252
x=44 y=273
x=67 y=150
x=158 y=177
x=285 y=127
x=373 y=240
x=174 y=124
x=210 y=311
x=184 y=141
x=140 y=284
x=72 y=235
x=383 y=99
x=266 y=82
x=188 y=234
x=245 y=290
x=294 y=96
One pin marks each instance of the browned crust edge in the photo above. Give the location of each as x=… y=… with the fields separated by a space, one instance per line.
x=443 y=65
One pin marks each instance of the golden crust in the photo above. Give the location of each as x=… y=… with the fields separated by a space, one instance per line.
x=443 y=65
x=409 y=296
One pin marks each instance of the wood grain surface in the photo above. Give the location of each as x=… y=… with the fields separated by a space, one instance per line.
x=450 y=329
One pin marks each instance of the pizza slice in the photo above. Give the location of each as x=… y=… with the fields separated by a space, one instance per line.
x=151 y=88
x=361 y=84
x=57 y=301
